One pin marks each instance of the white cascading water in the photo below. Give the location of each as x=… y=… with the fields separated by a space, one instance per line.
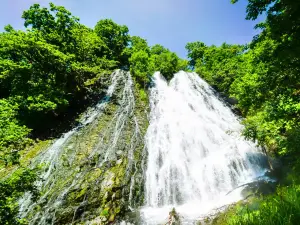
x=196 y=154
x=54 y=155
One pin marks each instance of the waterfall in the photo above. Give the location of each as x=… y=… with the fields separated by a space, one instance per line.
x=196 y=154
x=190 y=156
x=89 y=167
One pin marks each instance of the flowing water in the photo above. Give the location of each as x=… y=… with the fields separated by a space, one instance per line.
x=196 y=154
x=104 y=140
x=196 y=157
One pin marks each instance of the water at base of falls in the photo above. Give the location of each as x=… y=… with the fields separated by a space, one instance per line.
x=196 y=155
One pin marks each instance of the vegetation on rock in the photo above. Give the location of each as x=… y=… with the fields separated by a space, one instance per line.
x=51 y=73
x=11 y=190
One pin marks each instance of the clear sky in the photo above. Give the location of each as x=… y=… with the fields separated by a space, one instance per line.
x=171 y=23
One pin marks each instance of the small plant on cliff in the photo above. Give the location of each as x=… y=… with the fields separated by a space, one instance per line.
x=11 y=190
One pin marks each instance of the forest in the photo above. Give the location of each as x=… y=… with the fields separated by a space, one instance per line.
x=54 y=69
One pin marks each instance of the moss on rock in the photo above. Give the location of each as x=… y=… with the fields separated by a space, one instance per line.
x=98 y=172
x=27 y=155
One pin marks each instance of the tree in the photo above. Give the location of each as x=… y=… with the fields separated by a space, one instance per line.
x=164 y=61
x=145 y=60
x=13 y=136
x=265 y=89
x=218 y=65
x=282 y=18
x=54 y=24
x=115 y=37
x=52 y=67
x=139 y=66
x=195 y=51
x=11 y=190
x=277 y=50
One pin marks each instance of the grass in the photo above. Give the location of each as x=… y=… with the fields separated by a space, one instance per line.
x=280 y=208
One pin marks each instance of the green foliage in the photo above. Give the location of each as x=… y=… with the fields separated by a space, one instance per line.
x=51 y=67
x=50 y=73
x=183 y=64
x=282 y=208
x=218 y=65
x=11 y=190
x=195 y=51
x=55 y=24
x=263 y=77
x=145 y=60
x=137 y=44
x=143 y=95
x=163 y=60
x=139 y=65
x=115 y=38
x=13 y=136
x=282 y=22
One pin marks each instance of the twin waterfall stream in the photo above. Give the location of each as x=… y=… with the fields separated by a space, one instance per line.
x=196 y=154
x=192 y=157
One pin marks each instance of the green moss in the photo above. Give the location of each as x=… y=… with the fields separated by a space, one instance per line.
x=81 y=193
x=111 y=218
x=105 y=212
x=94 y=175
x=33 y=151
x=27 y=155
x=143 y=95
x=104 y=189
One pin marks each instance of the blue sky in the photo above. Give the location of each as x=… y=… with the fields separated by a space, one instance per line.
x=171 y=23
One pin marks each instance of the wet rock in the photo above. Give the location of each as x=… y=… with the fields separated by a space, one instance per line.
x=174 y=218
x=91 y=183
x=257 y=188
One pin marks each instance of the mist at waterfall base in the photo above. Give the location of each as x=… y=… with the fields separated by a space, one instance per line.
x=197 y=157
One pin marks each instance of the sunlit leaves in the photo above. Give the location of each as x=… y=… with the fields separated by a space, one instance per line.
x=146 y=60
x=11 y=190
x=13 y=136
x=115 y=38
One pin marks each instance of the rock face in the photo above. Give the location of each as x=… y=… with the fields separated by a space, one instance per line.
x=93 y=174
